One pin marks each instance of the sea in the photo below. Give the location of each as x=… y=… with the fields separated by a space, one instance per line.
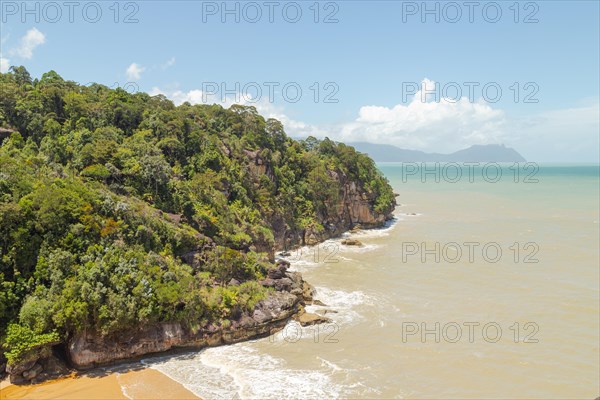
x=485 y=285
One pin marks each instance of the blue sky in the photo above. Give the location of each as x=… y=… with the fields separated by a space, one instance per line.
x=369 y=61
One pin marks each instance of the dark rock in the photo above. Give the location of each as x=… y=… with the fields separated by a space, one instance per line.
x=296 y=279
x=268 y=282
x=42 y=377
x=275 y=273
x=17 y=379
x=246 y=322
x=325 y=312
x=283 y=284
x=54 y=367
x=192 y=258
x=319 y=303
x=352 y=242
x=33 y=372
x=19 y=368
x=260 y=316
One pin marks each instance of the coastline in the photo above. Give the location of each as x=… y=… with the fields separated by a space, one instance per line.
x=140 y=382
x=128 y=381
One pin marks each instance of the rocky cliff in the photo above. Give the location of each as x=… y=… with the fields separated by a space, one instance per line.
x=89 y=349
x=355 y=206
x=290 y=294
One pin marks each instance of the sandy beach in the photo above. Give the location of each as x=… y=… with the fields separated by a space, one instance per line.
x=130 y=384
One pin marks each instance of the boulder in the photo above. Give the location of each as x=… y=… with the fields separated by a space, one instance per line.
x=246 y=322
x=33 y=372
x=54 y=367
x=283 y=284
x=268 y=282
x=352 y=242
x=306 y=319
x=308 y=291
x=296 y=278
x=20 y=367
x=275 y=273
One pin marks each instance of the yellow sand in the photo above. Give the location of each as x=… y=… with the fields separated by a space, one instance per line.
x=138 y=384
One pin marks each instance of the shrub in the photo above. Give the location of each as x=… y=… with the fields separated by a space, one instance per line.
x=21 y=343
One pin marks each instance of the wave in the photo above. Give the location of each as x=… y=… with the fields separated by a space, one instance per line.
x=242 y=371
x=345 y=304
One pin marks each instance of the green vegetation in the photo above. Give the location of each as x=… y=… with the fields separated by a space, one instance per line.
x=24 y=342
x=120 y=209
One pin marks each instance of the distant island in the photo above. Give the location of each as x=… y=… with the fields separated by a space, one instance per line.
x=475 y=153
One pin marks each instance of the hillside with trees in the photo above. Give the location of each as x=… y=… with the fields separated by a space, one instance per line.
x=120 y=210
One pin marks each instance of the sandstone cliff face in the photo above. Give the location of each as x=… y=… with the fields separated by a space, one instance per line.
x=89 y=349
x=354 y=207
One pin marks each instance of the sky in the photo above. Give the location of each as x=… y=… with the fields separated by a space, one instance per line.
x=432 y=76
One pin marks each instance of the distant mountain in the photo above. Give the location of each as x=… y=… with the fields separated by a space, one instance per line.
x=475 y=153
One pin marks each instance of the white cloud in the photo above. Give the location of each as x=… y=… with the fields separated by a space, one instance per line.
x=4 y=64
x=134 y=72
x=168 y=64
x=179 y=97
x=32 y=39
x=443 y=126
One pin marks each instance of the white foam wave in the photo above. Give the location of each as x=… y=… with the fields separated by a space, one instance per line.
x=365 y=248
x=242 y=371
x=305 y=258
x=332 y=366
x=204 y=381
x=345 y=304
x=124 y=387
